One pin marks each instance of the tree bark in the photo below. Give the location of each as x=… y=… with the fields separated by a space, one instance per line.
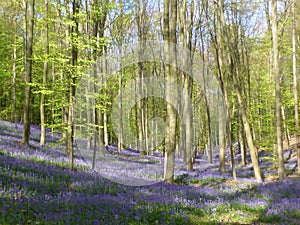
x=295 y=76
x=45 y=75
x=206 y=99
x=120 y=134
x=281 y=170
x=141 y=106
x=187 y=116
x=230 y=38
x=170 y=18
x=241 y=141
x=247 y=128
x=235 y=68
x=28 y=36
x=220 y=54
x=98 y=34
x=222 y=135
x=72 y=86
x=14 y=73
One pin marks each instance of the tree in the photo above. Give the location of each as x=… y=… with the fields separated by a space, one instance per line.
x=99 y=17
x=186 y=36
x=140 y=21
x=170 y=39
x=28 y=41
x=72 y=83
x=63 y=38
x=227 y=46
x=238 y=69
x=45 y=75
x=219 y=46
x=281 y=172
x=296 y=101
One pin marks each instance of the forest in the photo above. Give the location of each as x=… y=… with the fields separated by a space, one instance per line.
x=149 y=112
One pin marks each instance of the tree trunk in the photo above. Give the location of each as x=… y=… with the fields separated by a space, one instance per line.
x=65 y=108
x=187 y=87
x=141 y=106
x=105 y=128
x=45 y=75
x=29 y=26
x=14 y=72
x=231 y=41
x=120 y=134
x=296 y=101
x=99 y=115
x=101 y=133
x=222 y=98
x=89 y=116
x=120 y=130
x=231 y=149
x=72 y=77
x=285 y=128
x=207 y=102
x=105 y=116
x=281 y=170
x=170 y=18
x=253 y=153
x=241 y=141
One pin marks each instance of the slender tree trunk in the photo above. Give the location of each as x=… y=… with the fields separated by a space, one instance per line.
x=235 y=69
x=234 y=62
x=146 y=126
x=141 y=126
x=101 y=133
x=187 y=87
x=222 y=134
x=120 y=130
x=295 y=76
x=72 y=77
x=188 y=121
x=120 y=134
x=65 y=109
x=105 y=116
x=207 y=103
x=222 y=98
x=231 y=148
x=53 y=78
x=45 y=75
x=253 y=153
x=241 y=140
x=89 y=116
x=141 y=105
x=170 y=18
x=209 y=135
x=100 y=112
x=29 y=26
x=105 y=127
x=285 y=127
x=94 y=148
x=228 y=123
x=14 y=72
x=281 y=170
x=98 y=34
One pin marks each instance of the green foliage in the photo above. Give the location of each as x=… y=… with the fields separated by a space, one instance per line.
x=182 y=179
x=207 y=181
x=257 y=84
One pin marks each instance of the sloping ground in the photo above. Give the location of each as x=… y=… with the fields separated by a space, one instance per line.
x=37 y=188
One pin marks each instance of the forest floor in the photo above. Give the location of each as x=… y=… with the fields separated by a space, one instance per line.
x=36 y=187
